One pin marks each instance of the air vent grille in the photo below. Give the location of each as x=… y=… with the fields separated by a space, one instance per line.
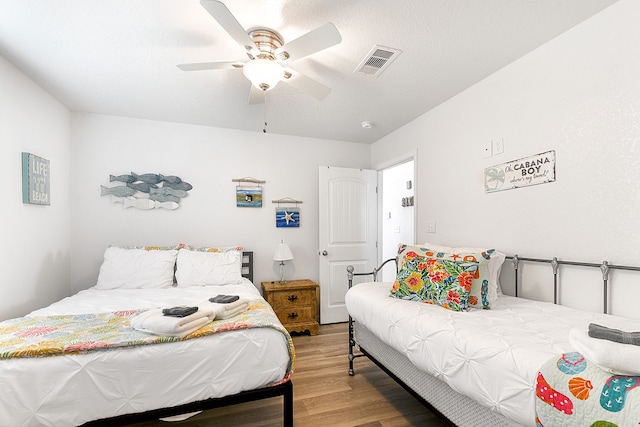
x=377 y=60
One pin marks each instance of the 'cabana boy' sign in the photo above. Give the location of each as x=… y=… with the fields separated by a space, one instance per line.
x=532 y=170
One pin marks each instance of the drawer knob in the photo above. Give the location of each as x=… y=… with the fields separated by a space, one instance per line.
x=293 y=298
x=292 y=315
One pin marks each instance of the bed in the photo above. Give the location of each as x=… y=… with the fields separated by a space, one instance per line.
x=514 y=364
x=245 y=356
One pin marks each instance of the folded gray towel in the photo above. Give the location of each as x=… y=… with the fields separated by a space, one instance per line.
x=616 y=335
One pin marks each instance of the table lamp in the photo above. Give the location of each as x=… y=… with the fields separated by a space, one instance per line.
x=282 y=254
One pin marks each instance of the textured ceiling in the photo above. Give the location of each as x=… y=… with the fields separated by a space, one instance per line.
x=119 y=57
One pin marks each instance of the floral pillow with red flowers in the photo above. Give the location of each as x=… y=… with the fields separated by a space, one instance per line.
x=443 y=282
x=480 y=296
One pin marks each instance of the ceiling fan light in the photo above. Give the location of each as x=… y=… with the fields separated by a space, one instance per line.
x=263 y=73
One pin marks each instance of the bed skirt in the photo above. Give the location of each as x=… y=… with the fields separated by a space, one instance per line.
x=460 y=410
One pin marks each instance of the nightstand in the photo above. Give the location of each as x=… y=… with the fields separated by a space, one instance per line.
x=295 y=303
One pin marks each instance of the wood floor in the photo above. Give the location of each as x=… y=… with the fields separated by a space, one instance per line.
x=324 y=393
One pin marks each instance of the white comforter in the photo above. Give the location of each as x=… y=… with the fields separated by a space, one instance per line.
x=70 y=390
x=492 y=356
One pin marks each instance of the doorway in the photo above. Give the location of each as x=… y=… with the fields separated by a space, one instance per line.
x=397 y=224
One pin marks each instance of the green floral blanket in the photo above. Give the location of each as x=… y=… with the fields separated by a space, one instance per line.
x=83 y=333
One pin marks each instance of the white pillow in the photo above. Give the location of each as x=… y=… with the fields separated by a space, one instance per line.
x=196 y=268
x=136 y=268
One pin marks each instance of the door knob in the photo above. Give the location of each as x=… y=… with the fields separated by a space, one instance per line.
x=325 y=253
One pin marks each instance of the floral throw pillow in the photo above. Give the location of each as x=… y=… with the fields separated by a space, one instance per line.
x=443 y=282
x=479 y=296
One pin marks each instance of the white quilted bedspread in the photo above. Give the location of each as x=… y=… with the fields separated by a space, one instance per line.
x=73 y=389
x=492 y=356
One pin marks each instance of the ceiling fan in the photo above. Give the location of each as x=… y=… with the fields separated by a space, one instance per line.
x=268 y=54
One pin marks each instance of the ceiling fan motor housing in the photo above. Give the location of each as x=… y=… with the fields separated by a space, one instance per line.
x=263 y=70
x=267 y=41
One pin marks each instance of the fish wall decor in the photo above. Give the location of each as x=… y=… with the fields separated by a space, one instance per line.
x=146 y=191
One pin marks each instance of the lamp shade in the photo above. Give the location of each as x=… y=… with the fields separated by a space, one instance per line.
x=282 y=253
x=263 y=73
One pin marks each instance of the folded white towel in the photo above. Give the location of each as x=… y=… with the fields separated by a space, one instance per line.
x=153 y=321
x=613 y=357
x=225 y=311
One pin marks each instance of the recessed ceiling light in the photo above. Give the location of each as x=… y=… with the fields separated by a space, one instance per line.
x=366 y=124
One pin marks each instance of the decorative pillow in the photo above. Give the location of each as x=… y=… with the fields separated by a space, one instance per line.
x=211 y=249
x=435 y=281
x=438 y=248
x=125 y=268
x=204 y=267
x=495 y=266
x=479 y=296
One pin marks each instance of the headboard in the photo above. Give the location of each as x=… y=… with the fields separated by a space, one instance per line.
x=555 y=263
x=247 y=265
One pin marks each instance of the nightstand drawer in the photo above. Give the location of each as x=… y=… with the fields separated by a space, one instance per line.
x=291 y=298
x=295 y=314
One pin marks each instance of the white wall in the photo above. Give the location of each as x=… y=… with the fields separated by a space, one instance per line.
x=208 y=158
x=578 y=95
x=34 y=254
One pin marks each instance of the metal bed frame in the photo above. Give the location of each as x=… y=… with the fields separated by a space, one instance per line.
x=555 y=263
x=352 y=342
x=605 y=268
x=285 y=390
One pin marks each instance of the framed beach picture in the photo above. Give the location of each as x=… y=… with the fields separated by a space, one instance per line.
x=249 y=197
x=35 y=180
x=287 y=217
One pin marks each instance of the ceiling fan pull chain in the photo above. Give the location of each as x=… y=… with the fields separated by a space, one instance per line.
x=264 y=113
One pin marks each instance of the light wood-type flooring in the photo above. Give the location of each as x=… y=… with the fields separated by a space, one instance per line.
x=325 y=394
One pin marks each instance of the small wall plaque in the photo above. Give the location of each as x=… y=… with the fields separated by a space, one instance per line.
x=287 y=217
x=532 y=170
x=35 y=180
x=249 y=192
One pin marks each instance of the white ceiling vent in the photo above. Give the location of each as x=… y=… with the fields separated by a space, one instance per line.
x=377 y=60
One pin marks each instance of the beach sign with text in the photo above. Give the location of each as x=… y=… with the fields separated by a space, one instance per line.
x=532 y=170
x=35 y=180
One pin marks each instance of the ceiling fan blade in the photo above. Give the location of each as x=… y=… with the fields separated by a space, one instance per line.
x=199 y=66
x=256 y=96
x=221 y=13
x=309 y=43
x=306 y=84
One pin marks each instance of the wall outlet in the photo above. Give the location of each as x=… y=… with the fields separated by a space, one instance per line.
x=430 y=226
x=498 y=146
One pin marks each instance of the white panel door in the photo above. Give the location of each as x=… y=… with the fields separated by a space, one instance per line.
x=348 y=233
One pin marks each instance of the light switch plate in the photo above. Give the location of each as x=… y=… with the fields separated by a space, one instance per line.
x=430 y=226
x=487 y=149
x=498 y=146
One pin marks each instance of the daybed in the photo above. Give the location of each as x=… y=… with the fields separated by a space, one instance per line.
x=115 y=378
x=517 y=363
